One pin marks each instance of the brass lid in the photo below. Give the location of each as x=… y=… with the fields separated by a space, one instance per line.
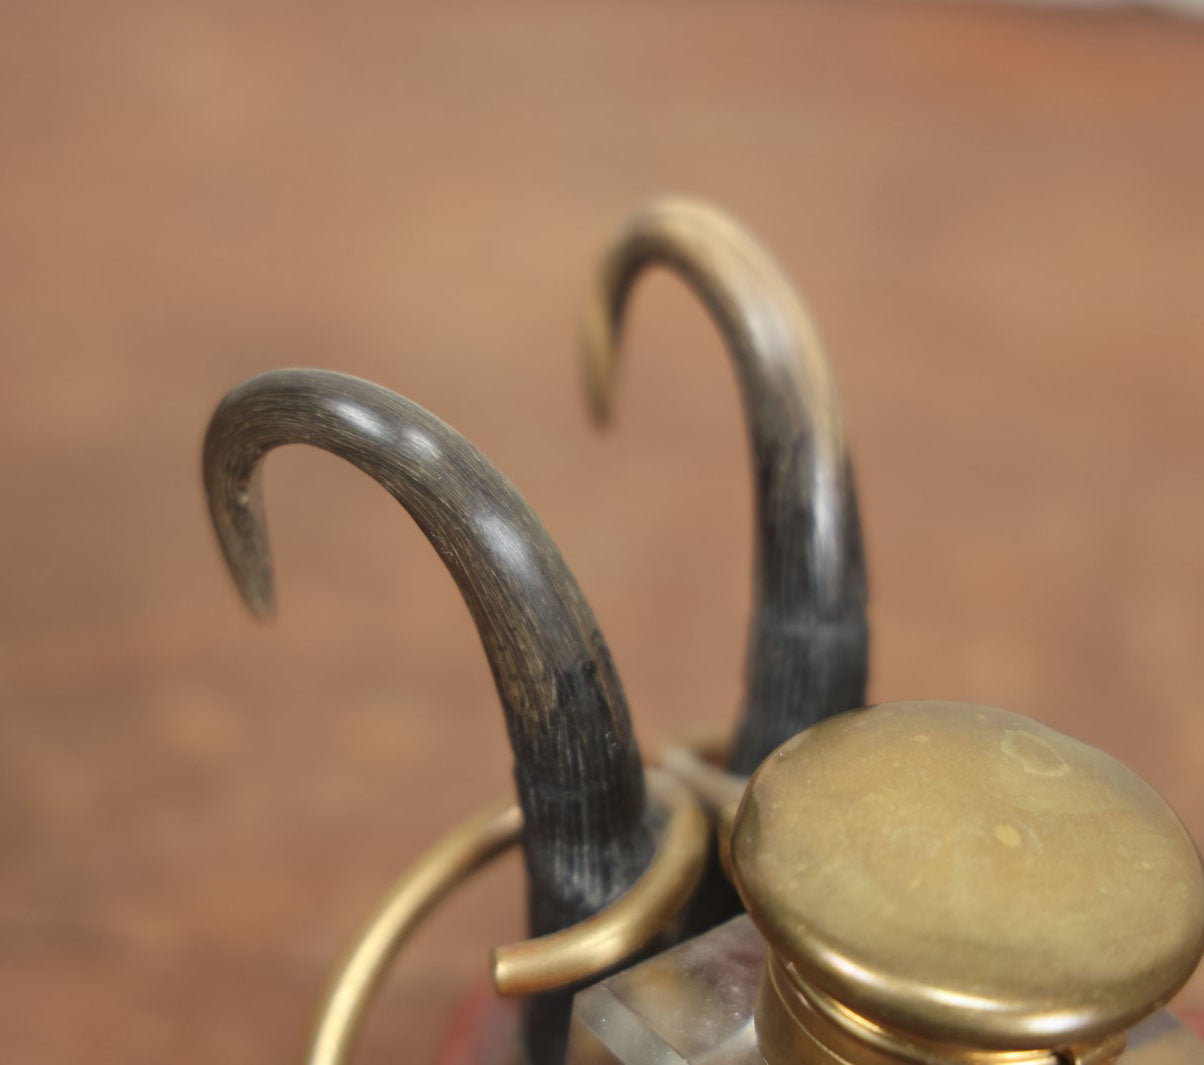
x=968 y=875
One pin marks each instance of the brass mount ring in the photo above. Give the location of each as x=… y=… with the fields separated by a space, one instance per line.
x=541 y=964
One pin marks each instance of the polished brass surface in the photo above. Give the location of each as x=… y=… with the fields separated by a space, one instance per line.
x=602 y=941
x=965 y=876
x=539 y=964
x=695 y=1005
x=799 y=1023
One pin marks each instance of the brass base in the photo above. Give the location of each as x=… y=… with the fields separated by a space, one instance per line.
x=797 y=1023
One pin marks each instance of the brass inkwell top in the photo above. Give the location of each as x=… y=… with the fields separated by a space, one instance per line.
x=948 y=883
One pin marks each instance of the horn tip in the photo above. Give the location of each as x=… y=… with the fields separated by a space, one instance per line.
x=258 y=592
x=262 y=606
x=601 y=404
x=599 y=375
x=254 y=581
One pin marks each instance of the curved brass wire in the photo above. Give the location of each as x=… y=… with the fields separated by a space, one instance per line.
x=431 y=878
x=541 y=964
x=596 y=944
x=719 y=791
x=697 y=765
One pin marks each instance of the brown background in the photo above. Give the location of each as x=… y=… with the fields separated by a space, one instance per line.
x=996 y=215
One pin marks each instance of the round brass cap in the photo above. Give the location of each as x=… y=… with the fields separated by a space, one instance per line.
x=969 y=876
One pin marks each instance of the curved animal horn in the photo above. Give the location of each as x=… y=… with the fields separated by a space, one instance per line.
x=577 y=767
x=809 y=640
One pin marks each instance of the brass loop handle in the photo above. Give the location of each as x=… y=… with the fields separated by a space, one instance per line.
x=596 y=944
x=557 y=960
x=698 y=764
x=433 y=876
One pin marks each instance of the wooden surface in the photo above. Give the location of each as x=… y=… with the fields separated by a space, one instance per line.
x=994 y=213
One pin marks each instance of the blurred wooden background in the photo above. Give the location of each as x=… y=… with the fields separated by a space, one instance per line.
x=996 y=215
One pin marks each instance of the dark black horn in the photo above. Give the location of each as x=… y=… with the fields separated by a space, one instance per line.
x=809 y=641
x=577 y=768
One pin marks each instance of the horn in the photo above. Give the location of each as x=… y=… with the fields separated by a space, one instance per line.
x=577 y=767
x=808 y=646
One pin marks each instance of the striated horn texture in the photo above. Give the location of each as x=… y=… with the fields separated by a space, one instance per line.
x=808 y=645
x=577 y=768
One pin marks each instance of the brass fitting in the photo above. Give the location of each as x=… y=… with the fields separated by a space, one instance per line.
x=945 y=884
